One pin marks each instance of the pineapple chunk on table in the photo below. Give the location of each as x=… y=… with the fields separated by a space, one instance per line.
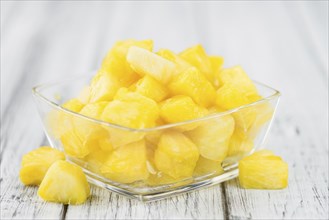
x=64 y=183
x=176 y=155
x=36 y=163
x=263 y=170
x=145 y=62
x=127 y=164
x=116 y=63
x=194 y=84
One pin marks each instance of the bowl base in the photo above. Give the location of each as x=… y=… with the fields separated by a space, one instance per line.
x=148 y=194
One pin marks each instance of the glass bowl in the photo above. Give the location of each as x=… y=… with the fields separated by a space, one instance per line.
x=153 y=163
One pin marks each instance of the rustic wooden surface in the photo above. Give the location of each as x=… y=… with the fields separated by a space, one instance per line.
x=281 y=44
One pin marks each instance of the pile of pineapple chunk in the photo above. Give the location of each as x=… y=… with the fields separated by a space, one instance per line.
x=136 y=90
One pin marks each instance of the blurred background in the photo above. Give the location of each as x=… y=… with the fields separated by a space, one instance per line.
x=282 y=44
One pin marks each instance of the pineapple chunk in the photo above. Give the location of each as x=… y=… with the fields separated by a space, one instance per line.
x=145 y=62
x=181 y=108
x=198 y=58
x=132 y=110
x=105 y=144
x=205 y=166
x=181 y=64
x=36 y=163
x=151 y=88
x=103 y=87
x=229 y=96
x=127 y=164
x=239 y=145
x=263 y=170
x=249 y=120
x=94 y=110
x=119 y=137
x=212 y=137
x=96 y=159
x=60 y=122
x=64 y=183
x=77 y=145
x=83 y=137
x=176 y=155
x=239 y=78
x=216 y=64
x=116 y=63
x=73 y=105
x=192 y=83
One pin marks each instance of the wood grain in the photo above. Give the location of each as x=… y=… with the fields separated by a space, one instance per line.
x=281 y=44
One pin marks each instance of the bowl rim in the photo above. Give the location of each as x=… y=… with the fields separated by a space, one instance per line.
x=36 y=92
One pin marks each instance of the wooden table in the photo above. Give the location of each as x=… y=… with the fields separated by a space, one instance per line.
x=284 y=45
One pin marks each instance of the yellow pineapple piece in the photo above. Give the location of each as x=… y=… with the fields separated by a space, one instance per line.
x=229 y=96
x=77 y=145
x=198 y=58
x=103 y=87
x=119 y=137
x=84 y=134
x=207 y=167
x=127 y=164
x=237 y=76
x=59 y=122
x=250 y=120
x=240 y=145
x=94 y=110
x=192 y=83
x=96 y=159
x=64 y=183
x=181 y=64
x=131 y=109
x=216 y=64
x=36 y=163
x=181 y=108
x=145 y=62
x=212 y=137
x=116 y=63
x=176 y=155
x=74 y=105
x=263 y=171
x=105 y=144
x=151 y=88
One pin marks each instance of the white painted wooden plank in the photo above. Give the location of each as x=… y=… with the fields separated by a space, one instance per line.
x=202 y=204
x=19 y=202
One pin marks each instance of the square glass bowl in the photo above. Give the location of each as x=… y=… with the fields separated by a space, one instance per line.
x=153 y=163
